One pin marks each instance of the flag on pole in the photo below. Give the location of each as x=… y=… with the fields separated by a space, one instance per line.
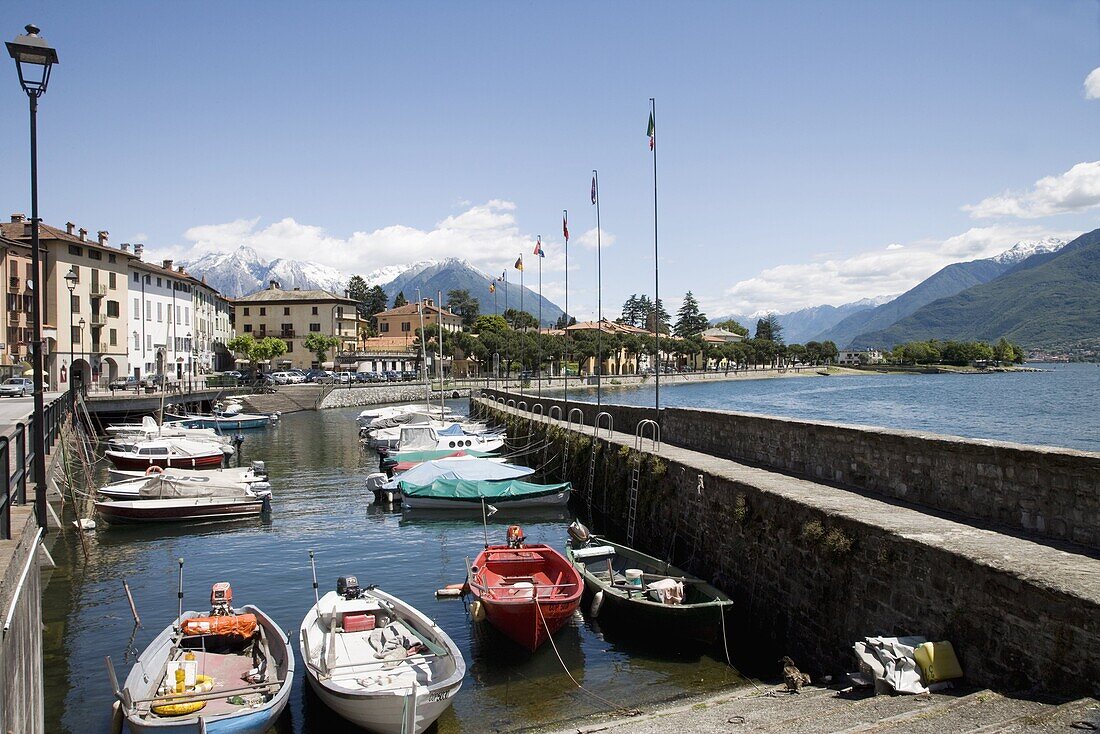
x=652 y=133
x=538 y=248
x=519 y=263
x=593 y=189
x=492 y=287
x=565 y=225
x=503 y=276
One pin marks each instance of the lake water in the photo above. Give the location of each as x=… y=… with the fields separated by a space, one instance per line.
x=1055 y=407
x=317 y=467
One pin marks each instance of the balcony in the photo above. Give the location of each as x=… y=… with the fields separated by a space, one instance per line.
x=13 y=283
x=97 y=290
x=99 y=347
x=98 y=319
x=286 y=334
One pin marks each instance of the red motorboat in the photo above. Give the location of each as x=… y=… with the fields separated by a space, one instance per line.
x=528 y=592
x=167 y=452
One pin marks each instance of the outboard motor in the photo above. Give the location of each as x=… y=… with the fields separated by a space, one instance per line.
x=221 y=599
x=259 y=468
x=579 y=535
x=516 y=538
x=348 y=587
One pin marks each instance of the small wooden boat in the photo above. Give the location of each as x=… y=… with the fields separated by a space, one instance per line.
x=528 y=592
x=466 y=494
x=377 y=661
x=643 y=592
x=239 y=663
x=167 y=452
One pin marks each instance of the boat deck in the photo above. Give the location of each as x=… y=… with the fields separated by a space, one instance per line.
x=402 y=664
x=228 y=671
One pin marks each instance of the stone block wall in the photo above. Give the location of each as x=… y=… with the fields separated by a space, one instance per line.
x=808 y=582
x=1047 y=492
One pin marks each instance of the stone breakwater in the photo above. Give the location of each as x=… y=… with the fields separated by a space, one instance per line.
x=1046 y=492
x=813 y=567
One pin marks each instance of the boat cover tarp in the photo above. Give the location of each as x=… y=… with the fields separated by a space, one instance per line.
x=472 y=469
x=454 y=429
x=165 y=486
x=464 y=490
x=407 y=457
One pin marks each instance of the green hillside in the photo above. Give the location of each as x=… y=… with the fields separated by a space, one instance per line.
x=1053 y=303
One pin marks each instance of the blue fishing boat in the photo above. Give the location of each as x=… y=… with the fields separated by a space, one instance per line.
x=226 y=672
x=223 y=423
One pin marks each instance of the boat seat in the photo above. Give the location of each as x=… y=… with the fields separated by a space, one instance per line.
x=594 y=552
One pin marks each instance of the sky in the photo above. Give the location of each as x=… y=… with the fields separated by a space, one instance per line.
x=807 y=152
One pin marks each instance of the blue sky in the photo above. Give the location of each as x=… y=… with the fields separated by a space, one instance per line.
x=797 y=141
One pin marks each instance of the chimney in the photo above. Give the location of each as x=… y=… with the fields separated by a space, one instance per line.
x=166 y=264
x=83 y=233
x=69 y=227
x=125 y=247
x=102 y=235
x=17 y=218
x=179 y=269
x=138 y=249
x=273 y=285
x=297 y=288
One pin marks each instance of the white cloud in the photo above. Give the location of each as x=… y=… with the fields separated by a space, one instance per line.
x=1075 y=190
x=836 y=281
x=895 y=247
x=487 y=235
x=588 y=239
x=1092 y=84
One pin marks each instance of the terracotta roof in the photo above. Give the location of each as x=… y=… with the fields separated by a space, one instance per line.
x=14 y=231
x=409 y=309
x=270 y=294
x=388 y=343
x=606 y=327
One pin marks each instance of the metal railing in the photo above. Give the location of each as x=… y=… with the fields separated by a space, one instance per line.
x=98 y=319
x=97 y=290
x=13 y=283
x=17 y=458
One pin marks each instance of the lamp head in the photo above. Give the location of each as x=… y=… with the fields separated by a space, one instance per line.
x=71 y=280
x=33 y=59
x=82 y=322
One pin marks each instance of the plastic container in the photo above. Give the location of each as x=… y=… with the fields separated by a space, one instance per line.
x=634 y=576
x=523 y=590
x=937 y=662
x=359 y=622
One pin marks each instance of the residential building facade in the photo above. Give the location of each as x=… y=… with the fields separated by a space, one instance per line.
x=212 y=328
x=160 y=305
x=859 y=356
x=403 y=321
x=15 y=320
x=293 y=315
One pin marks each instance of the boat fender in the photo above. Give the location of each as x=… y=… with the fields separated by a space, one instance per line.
x=153 y=470
x=178 y=709
x=597 y=602
x=477 y=611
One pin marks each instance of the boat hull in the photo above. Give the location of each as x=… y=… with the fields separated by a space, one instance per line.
x=383 y=713
x=200 y=509
x=523 y=624
x=559 y=499
x=129 y=462
x=229 y=422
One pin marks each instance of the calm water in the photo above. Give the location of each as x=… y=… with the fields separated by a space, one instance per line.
x=317 y=468
x=1057 y=407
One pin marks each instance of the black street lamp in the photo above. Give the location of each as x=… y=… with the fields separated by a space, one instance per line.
x=71 y=280
x=34 y=58
x=81 y=324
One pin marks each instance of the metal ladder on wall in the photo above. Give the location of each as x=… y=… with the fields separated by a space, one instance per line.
x=636 y=471
x=565 y=451
x=592 y=458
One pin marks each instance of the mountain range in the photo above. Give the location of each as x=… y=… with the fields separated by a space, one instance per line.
x=1049 y=300
x=243 y=271
x=804 y=324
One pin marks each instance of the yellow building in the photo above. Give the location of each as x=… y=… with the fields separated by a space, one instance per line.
x=615 y=362
x=292 y=316
x=403 y=321
x=15 y=320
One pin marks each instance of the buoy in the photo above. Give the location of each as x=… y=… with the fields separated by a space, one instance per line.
x=597 y=602
x=443 y=593
x=477 y=611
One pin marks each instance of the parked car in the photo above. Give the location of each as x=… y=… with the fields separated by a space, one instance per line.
x=297 y=376
x=124 y=383
x=234 y=374
x=18 y=386
x=408 y=375
x=315 y=375
x=344 y=378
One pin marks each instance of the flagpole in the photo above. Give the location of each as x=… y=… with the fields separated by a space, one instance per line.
x=521 y=283
x=656 y=267
x=538 y=328
x=565 y=230
x=599 y=292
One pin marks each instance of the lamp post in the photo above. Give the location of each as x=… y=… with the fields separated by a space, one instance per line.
x=190 y=359
x=81 y=324
x=34 y=58
x=71 y=279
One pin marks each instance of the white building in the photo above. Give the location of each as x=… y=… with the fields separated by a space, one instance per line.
x=160 y=306
x=859 y=356
x=212 y=328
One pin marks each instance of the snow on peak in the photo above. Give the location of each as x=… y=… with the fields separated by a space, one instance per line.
x=1026 y=248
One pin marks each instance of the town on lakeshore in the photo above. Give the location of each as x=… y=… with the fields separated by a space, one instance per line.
x=452 y=395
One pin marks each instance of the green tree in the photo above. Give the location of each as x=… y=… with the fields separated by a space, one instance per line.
x=519 y=319
x=689 y=319
x=732 y=325
x=770 y=329
x=375 y=301
x=400 y=300
x=320 y=344
x=634 y=311
x=490 y=324
x=255 y=351
x=462 y=303
x=357 y=291
x=1004 y=351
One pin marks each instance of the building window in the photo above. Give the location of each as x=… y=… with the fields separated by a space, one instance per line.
x=74 y=336
x=248 y=328
x=314 y=327
x=111 y=279
x=186 y=316
x=75 y=303
x=314 y=311
x=406 y=326
x=137 y=308
x=384 y=327
x=149 y=342
x=95 y=254
x=135 y=277
x=289 y=347
x=159 y=283
x=112 y=308
x=137 y=341
x=263 y=311
x=160 y=311
x=74 y=250
x=286 y=327
x=148 y=310
x=113 y=338
x=111 y=259
x=286 y=310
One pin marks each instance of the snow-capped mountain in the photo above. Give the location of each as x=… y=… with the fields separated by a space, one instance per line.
x=801 y=325
x=386 y=275
x=1023 y=250
x=243 y=271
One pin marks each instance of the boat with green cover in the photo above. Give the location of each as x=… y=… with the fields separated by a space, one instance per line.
x=462 y=494
x=642 y=592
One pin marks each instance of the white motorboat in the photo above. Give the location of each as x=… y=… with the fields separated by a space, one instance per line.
x=392 y=415
x=167 y=452
x=132 y=489
x=257 y=472
x=390 y=437
x=377 y=661
x=427 y=438
x=169 y=499
x=150 y=429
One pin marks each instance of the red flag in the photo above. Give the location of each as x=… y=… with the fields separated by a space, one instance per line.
x=565 y=225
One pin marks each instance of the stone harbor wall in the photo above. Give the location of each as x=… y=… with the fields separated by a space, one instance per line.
x=342 y=397
x=813 y=568
x=1046 y=492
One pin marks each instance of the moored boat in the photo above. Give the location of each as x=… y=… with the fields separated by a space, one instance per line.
x=377 y=661
x=131 y=489
x=166 y=452
x=164 y=498
x=257 y=472
x=235 y=422
x=645 y=593
x=469 y=494
x=528 y=592
x=237 y=669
